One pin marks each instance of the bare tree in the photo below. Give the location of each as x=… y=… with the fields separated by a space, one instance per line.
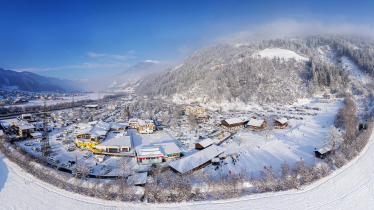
x=124 y=166
x=332 y=139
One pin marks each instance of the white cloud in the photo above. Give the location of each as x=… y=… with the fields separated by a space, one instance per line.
x=80 y=66
x=290 y=28
x=118 y=57
x=94 y=55
x=151 y=61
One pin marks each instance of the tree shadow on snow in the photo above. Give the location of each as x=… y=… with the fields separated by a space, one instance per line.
x=3 y=172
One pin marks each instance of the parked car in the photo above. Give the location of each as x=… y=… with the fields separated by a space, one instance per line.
x=29 y=143
x=66 y=164
x=53 y=159
x=87 y=155
x=35 y=149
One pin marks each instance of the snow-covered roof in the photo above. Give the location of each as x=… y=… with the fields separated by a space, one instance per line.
x=25 y=127
x=116 y=138
x=323 y=150
x=36 y=134
x=255 y=122
x=85 y=125
x=235 y=120
x=117 y=125
x=190 y=162
x=145 y=122
x=206 y=142
x=139 y=178
x=169 y=148
x=1 y=132
x=149 y=151
x=100 y=129
x=282 y=120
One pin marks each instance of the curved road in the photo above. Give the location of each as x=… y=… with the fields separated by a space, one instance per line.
x=351 y=187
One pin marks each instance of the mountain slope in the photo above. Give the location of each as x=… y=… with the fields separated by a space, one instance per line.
x=28 y=81
x=135 y=72
x=223 y=72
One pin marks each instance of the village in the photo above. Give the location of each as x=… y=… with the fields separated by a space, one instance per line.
x=141 y=133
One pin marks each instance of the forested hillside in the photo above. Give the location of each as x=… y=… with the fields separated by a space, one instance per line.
x=224 y=72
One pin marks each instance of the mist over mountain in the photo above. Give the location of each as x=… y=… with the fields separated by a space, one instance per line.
x=29 y=81
x=137 y=71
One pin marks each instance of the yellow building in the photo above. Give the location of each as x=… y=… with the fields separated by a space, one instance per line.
x=142 y=126
x=145 y=126
x=133 y=123
x=195 y=110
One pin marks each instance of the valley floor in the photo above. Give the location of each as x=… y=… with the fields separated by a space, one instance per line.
x=350 y=187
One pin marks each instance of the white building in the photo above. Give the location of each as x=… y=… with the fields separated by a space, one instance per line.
x=149 y=155
x=115 y=142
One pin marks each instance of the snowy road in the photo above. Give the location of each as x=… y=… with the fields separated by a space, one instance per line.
x=351 y=187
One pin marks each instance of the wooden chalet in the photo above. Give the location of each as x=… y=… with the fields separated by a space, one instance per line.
x=281 y=123
x=204 y=144
x=256 y=124
x=234 y=123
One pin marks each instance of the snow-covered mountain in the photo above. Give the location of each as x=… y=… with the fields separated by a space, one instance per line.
x=135 y=72
x=144 y=66
x=267 y=71
x=29 y=81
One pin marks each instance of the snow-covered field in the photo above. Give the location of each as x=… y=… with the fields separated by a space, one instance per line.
x=284 y=144
x=92 y=96
x=281 y=53
x=350 y=187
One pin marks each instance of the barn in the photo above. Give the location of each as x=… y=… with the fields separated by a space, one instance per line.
x=322 y=153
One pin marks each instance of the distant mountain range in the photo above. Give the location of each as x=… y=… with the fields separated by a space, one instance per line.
x=29 y=81
x=135 y=72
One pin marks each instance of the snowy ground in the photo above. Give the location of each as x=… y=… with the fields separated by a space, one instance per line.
x=281 y=53
x=350 y=187
x=92 y=96
x=284 y=144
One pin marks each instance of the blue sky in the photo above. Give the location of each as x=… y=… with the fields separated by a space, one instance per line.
x=95 y=39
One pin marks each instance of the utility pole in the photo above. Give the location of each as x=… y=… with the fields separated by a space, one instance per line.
x=73 y=102
x=46 y=148
x=99 y=97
